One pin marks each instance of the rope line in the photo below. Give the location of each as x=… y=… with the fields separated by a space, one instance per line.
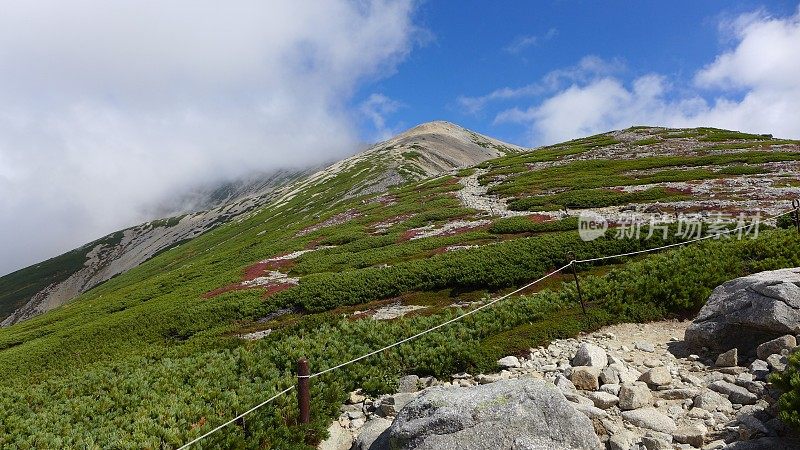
x=468 y=313
x=422 y=333
x=186 y=445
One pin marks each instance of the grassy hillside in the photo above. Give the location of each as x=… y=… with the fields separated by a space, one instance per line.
x=152 y=357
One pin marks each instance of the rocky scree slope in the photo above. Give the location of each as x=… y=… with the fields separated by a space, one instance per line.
x=660 y=385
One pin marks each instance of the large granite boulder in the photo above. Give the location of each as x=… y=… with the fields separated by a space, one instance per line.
x=508 y=414
x=747 y=311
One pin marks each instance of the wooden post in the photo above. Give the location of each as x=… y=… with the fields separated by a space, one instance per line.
x=303 y=391
x=796 y=205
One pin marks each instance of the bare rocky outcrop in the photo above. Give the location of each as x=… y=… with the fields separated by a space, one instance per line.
x=519 y=414
x=652 y=394
x=749 y=311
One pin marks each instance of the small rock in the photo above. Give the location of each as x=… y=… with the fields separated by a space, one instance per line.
x=357 y=423
x=610 y=375
x=679 y=394
x=652 y=363
x=393 y=404
x=427 y=381
x=712 y=401
x=657 y=376
x=374 y=432
x=627 y=375
x=760 y=369
x=603 y=400
x=566 y=387
x=489 y=378
x=691 y=379
x=622 y=440
x=693 y=435
x=353 y=415
x=633 y=396
x=581 y=400
x=735 y=370
x=612 y=389
x=650 y=418
x=590 y=355
x=751 y=422
x=655 y=443
x=585 y=377
x=787 y=342
x=338 y=438
x=644 y=346
x=508 y=362
x=408 y=384
x=590 y=411
x=736 y=394
x=356 y=397
x=728 y=359
x=719 y=444
x=777 y=362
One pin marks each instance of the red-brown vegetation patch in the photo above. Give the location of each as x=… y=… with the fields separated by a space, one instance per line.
x=224 y=289
x=256 y=270
x=539 y=218
x=407 y=235
x=314 y=243
x=678 y=191
x=337 y=219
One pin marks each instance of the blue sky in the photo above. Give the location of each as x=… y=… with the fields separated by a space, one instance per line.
x=472 y=48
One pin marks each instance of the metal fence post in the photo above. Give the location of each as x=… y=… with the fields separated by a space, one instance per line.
x=571 y=261
x=303 y=392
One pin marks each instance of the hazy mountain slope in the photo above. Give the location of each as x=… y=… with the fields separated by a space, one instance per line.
x=423 y=151
x=44 y=286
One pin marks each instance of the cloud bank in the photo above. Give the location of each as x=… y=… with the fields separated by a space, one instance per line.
x=109 y=107
x=753 y=86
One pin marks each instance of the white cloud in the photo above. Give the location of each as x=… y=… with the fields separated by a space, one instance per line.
x=589 y=67
x=375 y=108
x=108 y=108
x=523 y=42
x=755 y=87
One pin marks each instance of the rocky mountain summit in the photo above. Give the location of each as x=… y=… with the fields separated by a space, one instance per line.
x=427 y=150
x=662 y=385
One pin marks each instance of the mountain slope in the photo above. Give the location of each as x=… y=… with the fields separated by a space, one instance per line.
x=193 y=336
x=423 y=151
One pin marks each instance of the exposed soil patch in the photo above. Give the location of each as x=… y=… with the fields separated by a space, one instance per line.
x=384 y=225
x=337 y=219
x=448 y=229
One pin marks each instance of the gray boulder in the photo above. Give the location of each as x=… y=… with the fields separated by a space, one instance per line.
x=747 y=311
x=374 y=435
x=590 y=355
x=508 y=414
x=776 y=345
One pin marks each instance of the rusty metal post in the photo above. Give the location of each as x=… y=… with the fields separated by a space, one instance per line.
x=796 y=206
x=570 y=259
x=303 y=391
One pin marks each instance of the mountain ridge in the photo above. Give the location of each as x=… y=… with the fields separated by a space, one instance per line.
x=428 y=149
